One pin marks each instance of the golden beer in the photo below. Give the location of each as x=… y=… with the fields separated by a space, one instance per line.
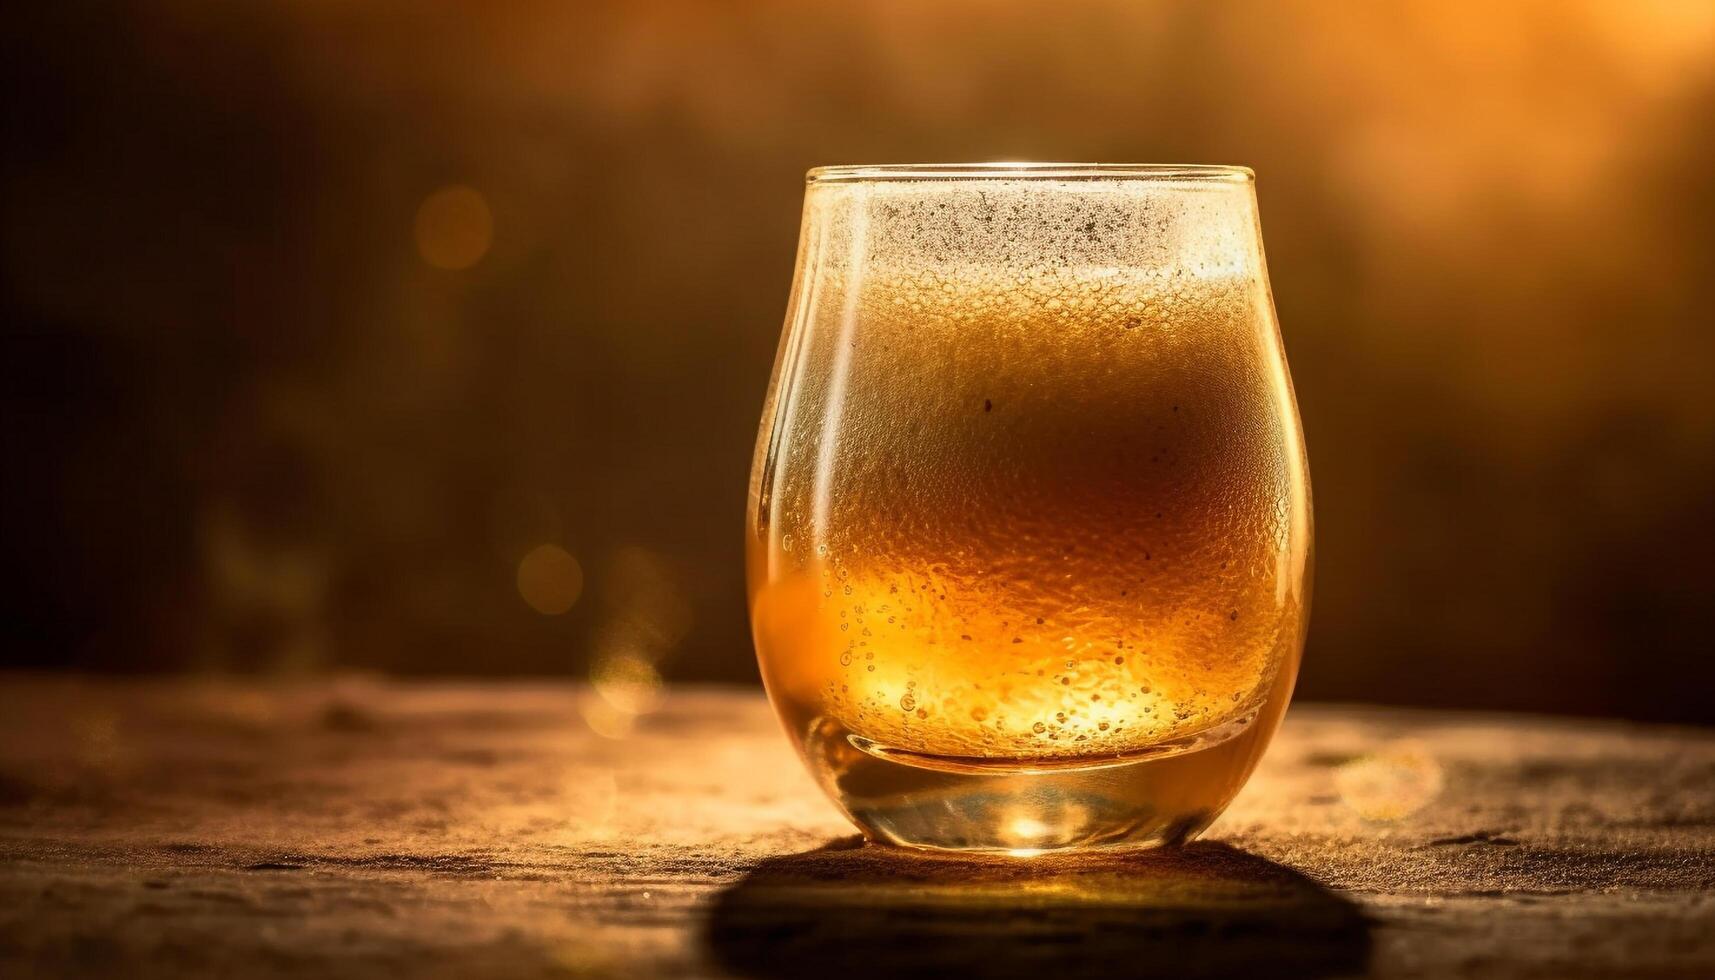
x=1029 y=523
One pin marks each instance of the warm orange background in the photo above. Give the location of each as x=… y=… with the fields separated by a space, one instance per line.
x=276 y=399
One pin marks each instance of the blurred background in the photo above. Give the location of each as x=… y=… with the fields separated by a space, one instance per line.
x=431 y=338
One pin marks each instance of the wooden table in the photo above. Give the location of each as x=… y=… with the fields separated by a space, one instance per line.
x=360 y=827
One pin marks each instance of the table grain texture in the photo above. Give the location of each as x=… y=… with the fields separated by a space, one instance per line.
x=362 y=827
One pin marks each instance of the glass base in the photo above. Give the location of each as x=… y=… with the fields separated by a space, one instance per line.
x=1022 y=809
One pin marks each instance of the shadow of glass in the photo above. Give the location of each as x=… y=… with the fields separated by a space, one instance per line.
x=1206 y=909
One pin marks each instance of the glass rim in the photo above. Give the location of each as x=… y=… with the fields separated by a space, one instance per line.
x=1023 y=170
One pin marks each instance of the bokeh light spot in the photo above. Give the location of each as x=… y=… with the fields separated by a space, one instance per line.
x=627 y=682
x=603 y=718
x=1391 y=783
x=550 y=579
x=454 y=227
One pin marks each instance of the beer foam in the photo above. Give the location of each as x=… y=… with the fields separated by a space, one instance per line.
x=1022 y=231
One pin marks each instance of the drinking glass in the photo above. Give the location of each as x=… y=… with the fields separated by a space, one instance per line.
x=1029 y=531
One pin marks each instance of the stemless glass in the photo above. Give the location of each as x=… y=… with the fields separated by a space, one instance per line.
x=1029 y=538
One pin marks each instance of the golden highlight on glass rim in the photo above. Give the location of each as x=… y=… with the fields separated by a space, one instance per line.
x=1029 y=532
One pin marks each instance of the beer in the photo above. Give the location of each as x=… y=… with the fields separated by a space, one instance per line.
x=1030 y=507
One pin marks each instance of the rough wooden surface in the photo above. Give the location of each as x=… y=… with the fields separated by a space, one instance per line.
x=362 y=828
